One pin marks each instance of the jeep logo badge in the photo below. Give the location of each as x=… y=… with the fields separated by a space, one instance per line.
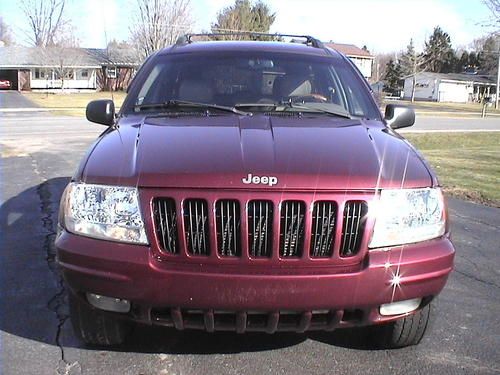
x=264 y=180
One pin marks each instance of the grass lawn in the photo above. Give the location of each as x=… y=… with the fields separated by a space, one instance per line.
x=467 y=164
x=436 y=108
x=72 y=103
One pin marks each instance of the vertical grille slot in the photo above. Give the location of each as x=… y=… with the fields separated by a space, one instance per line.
x=196 y=226
x=227 y=218
x=353 y=227
x=292 y=228
x=323 y=229
x=260 y=228
x=165 y=217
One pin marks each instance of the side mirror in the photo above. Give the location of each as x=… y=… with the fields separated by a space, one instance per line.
x=101 y=111
x=399 y=116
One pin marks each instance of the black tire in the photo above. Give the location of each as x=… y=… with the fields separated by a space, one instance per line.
x=94 y=327
x=404 y=332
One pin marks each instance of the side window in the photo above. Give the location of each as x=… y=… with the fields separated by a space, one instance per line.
x=148 y=84
x=356 y=108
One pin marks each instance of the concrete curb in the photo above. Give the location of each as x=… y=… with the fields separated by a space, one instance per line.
x=45 y=109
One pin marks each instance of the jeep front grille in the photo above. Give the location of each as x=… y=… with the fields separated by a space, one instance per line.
x=227 y=217
x=260 y=228
x=166 y=223
x=353 y=227
x=196 y=226
x=292 y=228
x=323 y=229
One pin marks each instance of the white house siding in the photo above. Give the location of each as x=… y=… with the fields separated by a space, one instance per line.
x=458 y=92
x=364 y=65
x=78 y=82
x=425 y=88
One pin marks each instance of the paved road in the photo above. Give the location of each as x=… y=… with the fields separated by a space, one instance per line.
x=33 y=122
x=424 y=124
x=37 y=157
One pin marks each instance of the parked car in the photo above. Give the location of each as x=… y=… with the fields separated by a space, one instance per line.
x=5 y=84
x=252 y=186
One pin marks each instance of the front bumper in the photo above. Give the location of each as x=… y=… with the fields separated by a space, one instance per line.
x=154 y=286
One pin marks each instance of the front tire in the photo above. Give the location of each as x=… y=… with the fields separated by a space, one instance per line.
x=406 y=331
x=94 y=327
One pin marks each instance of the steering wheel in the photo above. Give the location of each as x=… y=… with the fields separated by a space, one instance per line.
x=314 y=98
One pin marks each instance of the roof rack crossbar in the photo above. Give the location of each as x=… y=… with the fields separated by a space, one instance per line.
x=309 y=40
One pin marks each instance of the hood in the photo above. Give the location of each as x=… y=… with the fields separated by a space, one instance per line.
x=258 y=152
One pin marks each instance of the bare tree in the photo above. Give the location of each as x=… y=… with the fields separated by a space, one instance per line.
x=46 y=20
x=5 y=34
x=61 y=62
x=411 y=64
x=159 y=23
x=380 y=64
x=494 y=6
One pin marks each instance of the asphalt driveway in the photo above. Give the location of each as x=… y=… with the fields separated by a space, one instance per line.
x=14 y=99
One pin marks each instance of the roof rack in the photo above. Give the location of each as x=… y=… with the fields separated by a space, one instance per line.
x=309 y=40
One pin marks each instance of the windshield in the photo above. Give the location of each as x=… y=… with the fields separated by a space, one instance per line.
x=254 y=82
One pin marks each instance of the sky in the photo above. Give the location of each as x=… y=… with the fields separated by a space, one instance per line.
x=381 y=25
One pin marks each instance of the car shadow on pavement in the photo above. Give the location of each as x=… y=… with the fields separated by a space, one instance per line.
x=31 y=294
x=171 y=341
x=34 y=302
x=362 y=338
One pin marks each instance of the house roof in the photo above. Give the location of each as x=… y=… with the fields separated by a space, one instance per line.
x=459 y=77
x=350 y=50
x=19 y=57
x=114 y=56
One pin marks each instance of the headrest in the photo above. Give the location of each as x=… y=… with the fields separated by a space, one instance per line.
x=195 y=91
x=292 y=85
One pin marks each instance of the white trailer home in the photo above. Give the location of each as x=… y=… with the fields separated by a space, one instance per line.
x=448 y=87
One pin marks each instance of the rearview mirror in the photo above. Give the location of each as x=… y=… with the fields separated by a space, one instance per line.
x=399 y=116
x=101 y=111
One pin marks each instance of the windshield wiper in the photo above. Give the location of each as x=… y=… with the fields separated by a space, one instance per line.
x=184 y=103
x=328 y=108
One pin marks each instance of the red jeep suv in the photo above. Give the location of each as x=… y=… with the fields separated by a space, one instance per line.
x=252 y=186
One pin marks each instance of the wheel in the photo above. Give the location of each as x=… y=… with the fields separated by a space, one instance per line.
x=404 y=332
x=94 y=327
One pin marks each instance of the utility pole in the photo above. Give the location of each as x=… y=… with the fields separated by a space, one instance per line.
x=497 y=94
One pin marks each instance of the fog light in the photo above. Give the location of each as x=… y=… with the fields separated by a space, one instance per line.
x=400 y=307
x=108 y=303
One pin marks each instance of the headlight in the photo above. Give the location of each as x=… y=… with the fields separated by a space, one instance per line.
x=407 y=216
x=105 y=212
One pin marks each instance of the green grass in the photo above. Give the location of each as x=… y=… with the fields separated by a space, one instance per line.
x=436 y=108
x=72 y=103
x=467 y=164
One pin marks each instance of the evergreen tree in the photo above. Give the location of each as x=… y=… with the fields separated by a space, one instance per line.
x=392 y=77
x=243 y=15
x=463 y=62
x=438 y=53
x=487 y=57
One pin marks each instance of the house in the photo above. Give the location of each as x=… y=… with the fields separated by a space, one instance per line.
x=360 y=57
x=55 y=68
x=448 y=87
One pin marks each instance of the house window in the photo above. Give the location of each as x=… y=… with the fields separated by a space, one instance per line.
x=82 y=74
x=111 y=72
x=39 y=73
x=69 y=74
